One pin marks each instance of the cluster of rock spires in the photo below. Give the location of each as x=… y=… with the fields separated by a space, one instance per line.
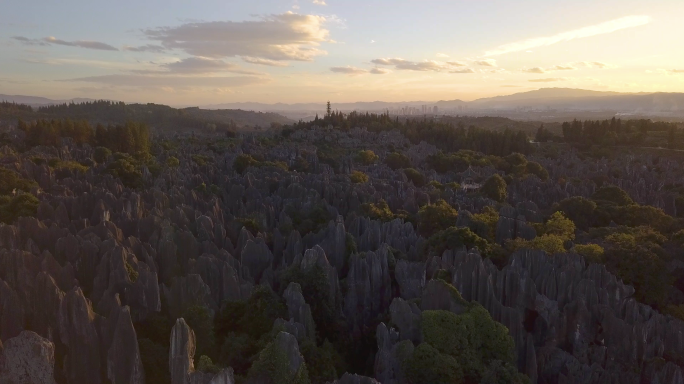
x=99 y=257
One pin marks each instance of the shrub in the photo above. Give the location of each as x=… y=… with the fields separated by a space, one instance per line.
x=155 y=361
x=453 y=238
x=593 y=253
x=613 y=194
x=396 y=160
x=201 y=160
x=101 y=154
x=358 y=177
x=578 y=209
x=560 y=226
x=495 y=188
x=21 y=205
x=377 y=211
x=173 y=162
x=536 y=169
x=366 y=157
x=436 y=217
x=12 y=180
x=550 y=244
x=415 y=177
x=200 y=320
x=428 y=366
x=243 y=162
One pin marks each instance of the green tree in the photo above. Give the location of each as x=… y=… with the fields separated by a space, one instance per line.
x=21 y=205
x=536 y=169
x=366 y=157
x=560 y=226
x=593 y=253
x=173 y=162
x=415 y=177
x=613 y=194
x=578 y=209
x=396 y=160
x=454 y=238
x=101 y=154
x=495 y=188
x=244 y=161
x=358 y=177
x=200 y=320
x=428 y=366
x=436 y=217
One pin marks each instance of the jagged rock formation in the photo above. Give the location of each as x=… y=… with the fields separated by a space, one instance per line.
x=27 y=359
x=100 y=259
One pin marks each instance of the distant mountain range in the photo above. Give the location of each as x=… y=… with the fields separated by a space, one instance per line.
x=565 y=99
x=545 y=98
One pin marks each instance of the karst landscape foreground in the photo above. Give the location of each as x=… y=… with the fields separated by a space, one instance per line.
x=342 y=192
x=353 y=248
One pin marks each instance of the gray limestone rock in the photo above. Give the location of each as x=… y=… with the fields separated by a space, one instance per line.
x=124 y=364
x=298 y=309
x=27 y=359
x=181 y=352
x=78 y=333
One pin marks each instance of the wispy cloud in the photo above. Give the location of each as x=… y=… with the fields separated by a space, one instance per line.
x=267 y=62
x=419 y=66
x=379 y=71
x=486 y=63
x=594 y=30
x=548 y=80
x=143 y=81
x=319 y=2
x=456 y=63
x=534 y=70
x=465 y=70
x=81 y=43
x=349 y=70
x=563 y=68
x=27 y=41
x=196 y=66
x=46 y=41
x=442 y=55
x=145 y=48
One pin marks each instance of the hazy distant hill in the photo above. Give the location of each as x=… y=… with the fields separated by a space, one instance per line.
x=156 y=115
x=583 y=100
x=320 y=107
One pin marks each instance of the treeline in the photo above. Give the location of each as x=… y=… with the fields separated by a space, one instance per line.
x=616 y=132
x=130 y=137
x=161 y=116
x=445 y=136
x=10 y=108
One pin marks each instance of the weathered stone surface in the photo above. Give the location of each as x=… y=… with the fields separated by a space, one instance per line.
x=256 y=258
x=181 y=352
x=411 y=279
x=186 y=292
x=298 y=309
x=78 y=333
x=124 y=364
x=27 y=359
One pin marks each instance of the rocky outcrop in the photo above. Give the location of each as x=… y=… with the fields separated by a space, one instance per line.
x=124 y=364
x=181 y=352
x=27 y=359
x=78 y=333
x=369 y=287
x=298 y=309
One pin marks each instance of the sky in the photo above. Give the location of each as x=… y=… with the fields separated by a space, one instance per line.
x=187 y=53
